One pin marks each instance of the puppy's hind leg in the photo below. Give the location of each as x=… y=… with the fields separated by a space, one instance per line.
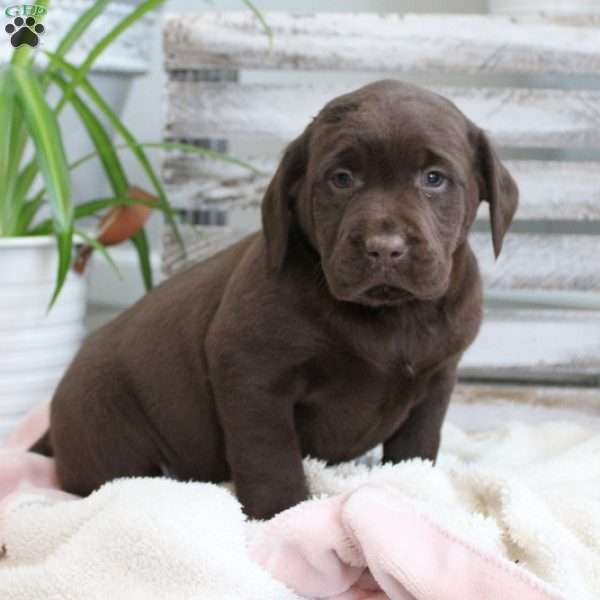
x=99 y=437
x=82 y=467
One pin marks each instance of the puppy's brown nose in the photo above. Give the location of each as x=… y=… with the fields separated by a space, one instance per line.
x=386 y=248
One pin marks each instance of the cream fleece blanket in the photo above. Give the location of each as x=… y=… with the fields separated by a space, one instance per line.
x=513 y=514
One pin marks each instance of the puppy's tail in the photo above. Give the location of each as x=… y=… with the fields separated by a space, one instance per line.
x=43 y=446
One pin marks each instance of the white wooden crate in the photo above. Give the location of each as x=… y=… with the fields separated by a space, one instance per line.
x=228 y=89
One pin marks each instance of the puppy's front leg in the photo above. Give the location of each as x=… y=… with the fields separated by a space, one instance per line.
x=419 y=435
x=263 y=453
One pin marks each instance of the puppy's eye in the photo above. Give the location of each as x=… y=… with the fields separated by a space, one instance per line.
x=433 y=179
x=342 y=179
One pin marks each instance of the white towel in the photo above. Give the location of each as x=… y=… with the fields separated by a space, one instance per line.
x=530 y=493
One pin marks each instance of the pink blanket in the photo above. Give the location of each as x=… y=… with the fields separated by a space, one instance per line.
x=369 y=544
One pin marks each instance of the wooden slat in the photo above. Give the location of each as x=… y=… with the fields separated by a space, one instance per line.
x=514 y=117
x=485 y=407
x=577 y=399
x=549 y=190
x=387 y=43
x=540 y=262
x=547 y=342
x=243 y=192
x=555 y=374
x=556 y=190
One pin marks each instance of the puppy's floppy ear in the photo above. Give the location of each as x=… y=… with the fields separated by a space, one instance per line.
x=278 y=200
x=497 y=188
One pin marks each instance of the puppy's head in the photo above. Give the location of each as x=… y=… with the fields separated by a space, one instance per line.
x=384 y=185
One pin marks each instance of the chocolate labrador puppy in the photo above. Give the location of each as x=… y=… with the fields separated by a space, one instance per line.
x=337 y=327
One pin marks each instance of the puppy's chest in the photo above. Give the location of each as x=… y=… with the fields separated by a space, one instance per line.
x=350 y=407
x=362 y=388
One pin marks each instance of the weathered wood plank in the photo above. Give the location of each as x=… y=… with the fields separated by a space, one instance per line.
x=484 y=407
x=556 y=190
x=559 y=375
x=540 y=262
x=386 y=43
x=527 y=262
x=514 y=117
x=587 y=401
x=549 y=190
x=530 y=341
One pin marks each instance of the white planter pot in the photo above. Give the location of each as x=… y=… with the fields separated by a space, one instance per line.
x=548 y=7
x=36 y=346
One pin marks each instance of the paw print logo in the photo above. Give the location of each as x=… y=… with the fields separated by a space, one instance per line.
x=24 y=31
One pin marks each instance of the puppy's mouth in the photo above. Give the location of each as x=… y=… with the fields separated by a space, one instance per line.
x=382 y=295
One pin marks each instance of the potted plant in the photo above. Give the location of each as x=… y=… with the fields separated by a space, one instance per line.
x=115 y=72
x=42 y=300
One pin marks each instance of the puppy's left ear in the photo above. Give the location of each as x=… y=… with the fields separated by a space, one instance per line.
x=278 y=201
x=497 y=188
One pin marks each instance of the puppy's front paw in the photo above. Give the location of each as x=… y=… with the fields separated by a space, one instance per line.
x=263 y=501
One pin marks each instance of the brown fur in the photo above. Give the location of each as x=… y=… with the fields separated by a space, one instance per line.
x=301 y=339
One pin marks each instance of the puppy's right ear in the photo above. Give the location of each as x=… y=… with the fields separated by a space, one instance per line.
x=277 y=205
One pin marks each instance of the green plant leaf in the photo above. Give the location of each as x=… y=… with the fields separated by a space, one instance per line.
x=135 y=15
x=8 y=104
x=65 y=251
x=22 y=56
x=80 y=26
x=131 y=142
x=27 y=175
x=140 y=241
x=24 y=180
x=189 y=148
x=28 y=212
x=92 y=208
x=12 y=145
x=114 y=171
x=102 y=249
x=43 y=128
x=42 y=125
x=258 y=14
x=100 y=138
